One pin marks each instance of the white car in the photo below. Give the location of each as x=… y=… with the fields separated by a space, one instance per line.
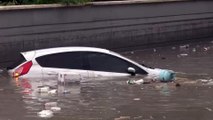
x=88 y=62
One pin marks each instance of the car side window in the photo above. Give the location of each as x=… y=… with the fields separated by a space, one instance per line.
x=110 y=63
x=69 y=60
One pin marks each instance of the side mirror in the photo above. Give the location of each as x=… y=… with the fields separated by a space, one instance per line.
x=131 y=71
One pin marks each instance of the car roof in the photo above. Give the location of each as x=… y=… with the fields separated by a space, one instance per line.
x=41 y=52
x=29 y=55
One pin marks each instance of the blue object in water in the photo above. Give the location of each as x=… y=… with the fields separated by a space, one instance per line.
x=166 y=75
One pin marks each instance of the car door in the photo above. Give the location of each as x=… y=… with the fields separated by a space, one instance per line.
x=105 y=65
x=66 y=63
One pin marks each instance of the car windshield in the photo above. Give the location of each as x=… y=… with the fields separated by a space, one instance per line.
x=20 y=59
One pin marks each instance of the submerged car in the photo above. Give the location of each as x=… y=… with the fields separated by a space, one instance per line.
x=89 y=62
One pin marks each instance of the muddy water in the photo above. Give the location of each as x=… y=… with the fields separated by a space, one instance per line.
x=116 y=100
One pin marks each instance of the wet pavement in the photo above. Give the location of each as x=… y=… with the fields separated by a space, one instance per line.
x=114 y=99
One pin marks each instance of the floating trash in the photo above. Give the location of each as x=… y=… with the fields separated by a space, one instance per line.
x=55 y=109
x=204 y=80
x=206 y=48
x=130 y=82
x=161 y=75
x=209 y=109
x=138 y=82
x=141 y=81
x=136 y=99
x=123 y=118
x=45 y=114
x=194 y=50
x=166 y=75
x=182 y=55
x=210 y=83
x=54 y=91
x=183 y=47
x=43 y=89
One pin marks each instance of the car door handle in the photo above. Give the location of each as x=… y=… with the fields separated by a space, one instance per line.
x=52 y=73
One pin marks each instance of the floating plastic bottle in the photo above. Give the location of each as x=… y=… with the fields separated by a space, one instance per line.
x=166 y=75
x=162 y=75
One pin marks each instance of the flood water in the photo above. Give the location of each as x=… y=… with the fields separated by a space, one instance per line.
x=114 y=99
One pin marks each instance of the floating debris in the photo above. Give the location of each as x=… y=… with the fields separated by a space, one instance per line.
x=45 y=114
x=194 y=50
x=130 y=82
x=55 y=109
x=206 y=48
x=204 y=80
x=43 y=89
x=183 y=47
x=162 y=75
x=209 y=109
x=136 y=99
x=66 y=92
x=210 y=83
x=54 y=91
x=154 y=50
x=138 y=82
x=183 y=55
x=123 y=118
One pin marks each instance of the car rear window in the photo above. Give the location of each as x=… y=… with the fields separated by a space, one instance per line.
x=70 y=60
x=20 y=59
